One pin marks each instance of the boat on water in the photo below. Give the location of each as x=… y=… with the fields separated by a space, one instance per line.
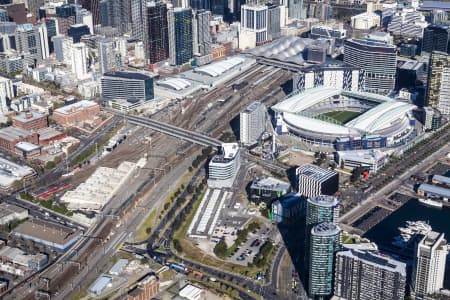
x=408 y=233
x=431 y=203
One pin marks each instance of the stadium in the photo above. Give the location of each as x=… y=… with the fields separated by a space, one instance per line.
x=345 y=120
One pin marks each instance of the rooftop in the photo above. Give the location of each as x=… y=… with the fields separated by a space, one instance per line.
x=290 y=199
x=315 y=172
x=433 y=189
x=431 y=5
x=190 y=291
x=376 y=259
x=27 y=147
x=10 y=172
x=174 y=83
x=28 y=116
x=127 y=75
x=75 y=106
x=51 y=232
x=229 y=151
x=286 y=49
x=325 y=229
x=433 y=239
x=252 y=107
x=13 y=133
x=324 y=200
x=441 y=179
x=218 y=68
x=271 y=183
x=118 y=266
x=100 y=284
x=362 y=155
x=8 y=209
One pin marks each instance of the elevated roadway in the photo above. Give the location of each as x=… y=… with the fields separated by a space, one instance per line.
x=181 y=133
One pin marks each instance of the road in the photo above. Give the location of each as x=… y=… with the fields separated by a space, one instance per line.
x=392 y=186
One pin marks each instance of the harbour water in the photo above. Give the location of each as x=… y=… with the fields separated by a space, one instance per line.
x=384 y=232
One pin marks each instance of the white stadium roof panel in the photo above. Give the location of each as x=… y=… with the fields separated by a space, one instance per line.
x=381 y=116
x=306 y=99
x=307 y=123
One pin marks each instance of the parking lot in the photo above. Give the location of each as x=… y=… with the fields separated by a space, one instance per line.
x=246 y=252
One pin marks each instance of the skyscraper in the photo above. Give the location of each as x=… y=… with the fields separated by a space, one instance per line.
x=180 y=36
x=202 y=34
x=252 y=123
x=28 y=39
x=127 y=85
x=94 y=7
x=52 y=30
x=200 y=4
x=76 y=31
x=6 y=93
x=106 y=55
x=314 y=181
x=324 y=242
x=320 y=209
x=296 y=10
x=364 y=275
x=156 y=38
x=377 y=59
x=254 y=18
x=79 y=60
x=436 y=38
x=273 y=21
x=116 y=13
x=34 y=5
x=429 y=265
x=438 y=94
x=66 y=16
x=138 y=19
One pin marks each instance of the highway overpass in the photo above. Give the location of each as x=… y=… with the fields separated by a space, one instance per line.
x=184 y=134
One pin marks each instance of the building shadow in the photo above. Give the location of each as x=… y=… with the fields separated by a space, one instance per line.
x=234 y=125
x=293 y=235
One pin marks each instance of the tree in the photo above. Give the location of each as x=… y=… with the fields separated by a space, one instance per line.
x=148 y=230
x=220 y=250
x=177 y=246
x=50 y=165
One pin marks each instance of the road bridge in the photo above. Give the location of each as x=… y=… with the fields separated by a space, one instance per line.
x=178 y=132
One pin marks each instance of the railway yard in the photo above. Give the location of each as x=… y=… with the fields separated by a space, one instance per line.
x=167 y=159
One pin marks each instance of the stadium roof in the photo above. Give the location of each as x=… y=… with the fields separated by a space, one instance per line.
x=221 y=67
x=306 y=99
x=308 y=123
x=174 y=83
x=313 y=96
x=380 y=116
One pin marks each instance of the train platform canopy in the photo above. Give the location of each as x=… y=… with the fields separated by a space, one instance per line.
x=205 y=77
x=288 y=49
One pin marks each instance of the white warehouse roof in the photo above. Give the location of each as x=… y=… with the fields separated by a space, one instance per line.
x=174 y=83
x=218 y=68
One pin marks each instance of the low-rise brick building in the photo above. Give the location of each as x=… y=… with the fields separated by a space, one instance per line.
x=30 y=120
x=76 y=113
x=10 y=136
